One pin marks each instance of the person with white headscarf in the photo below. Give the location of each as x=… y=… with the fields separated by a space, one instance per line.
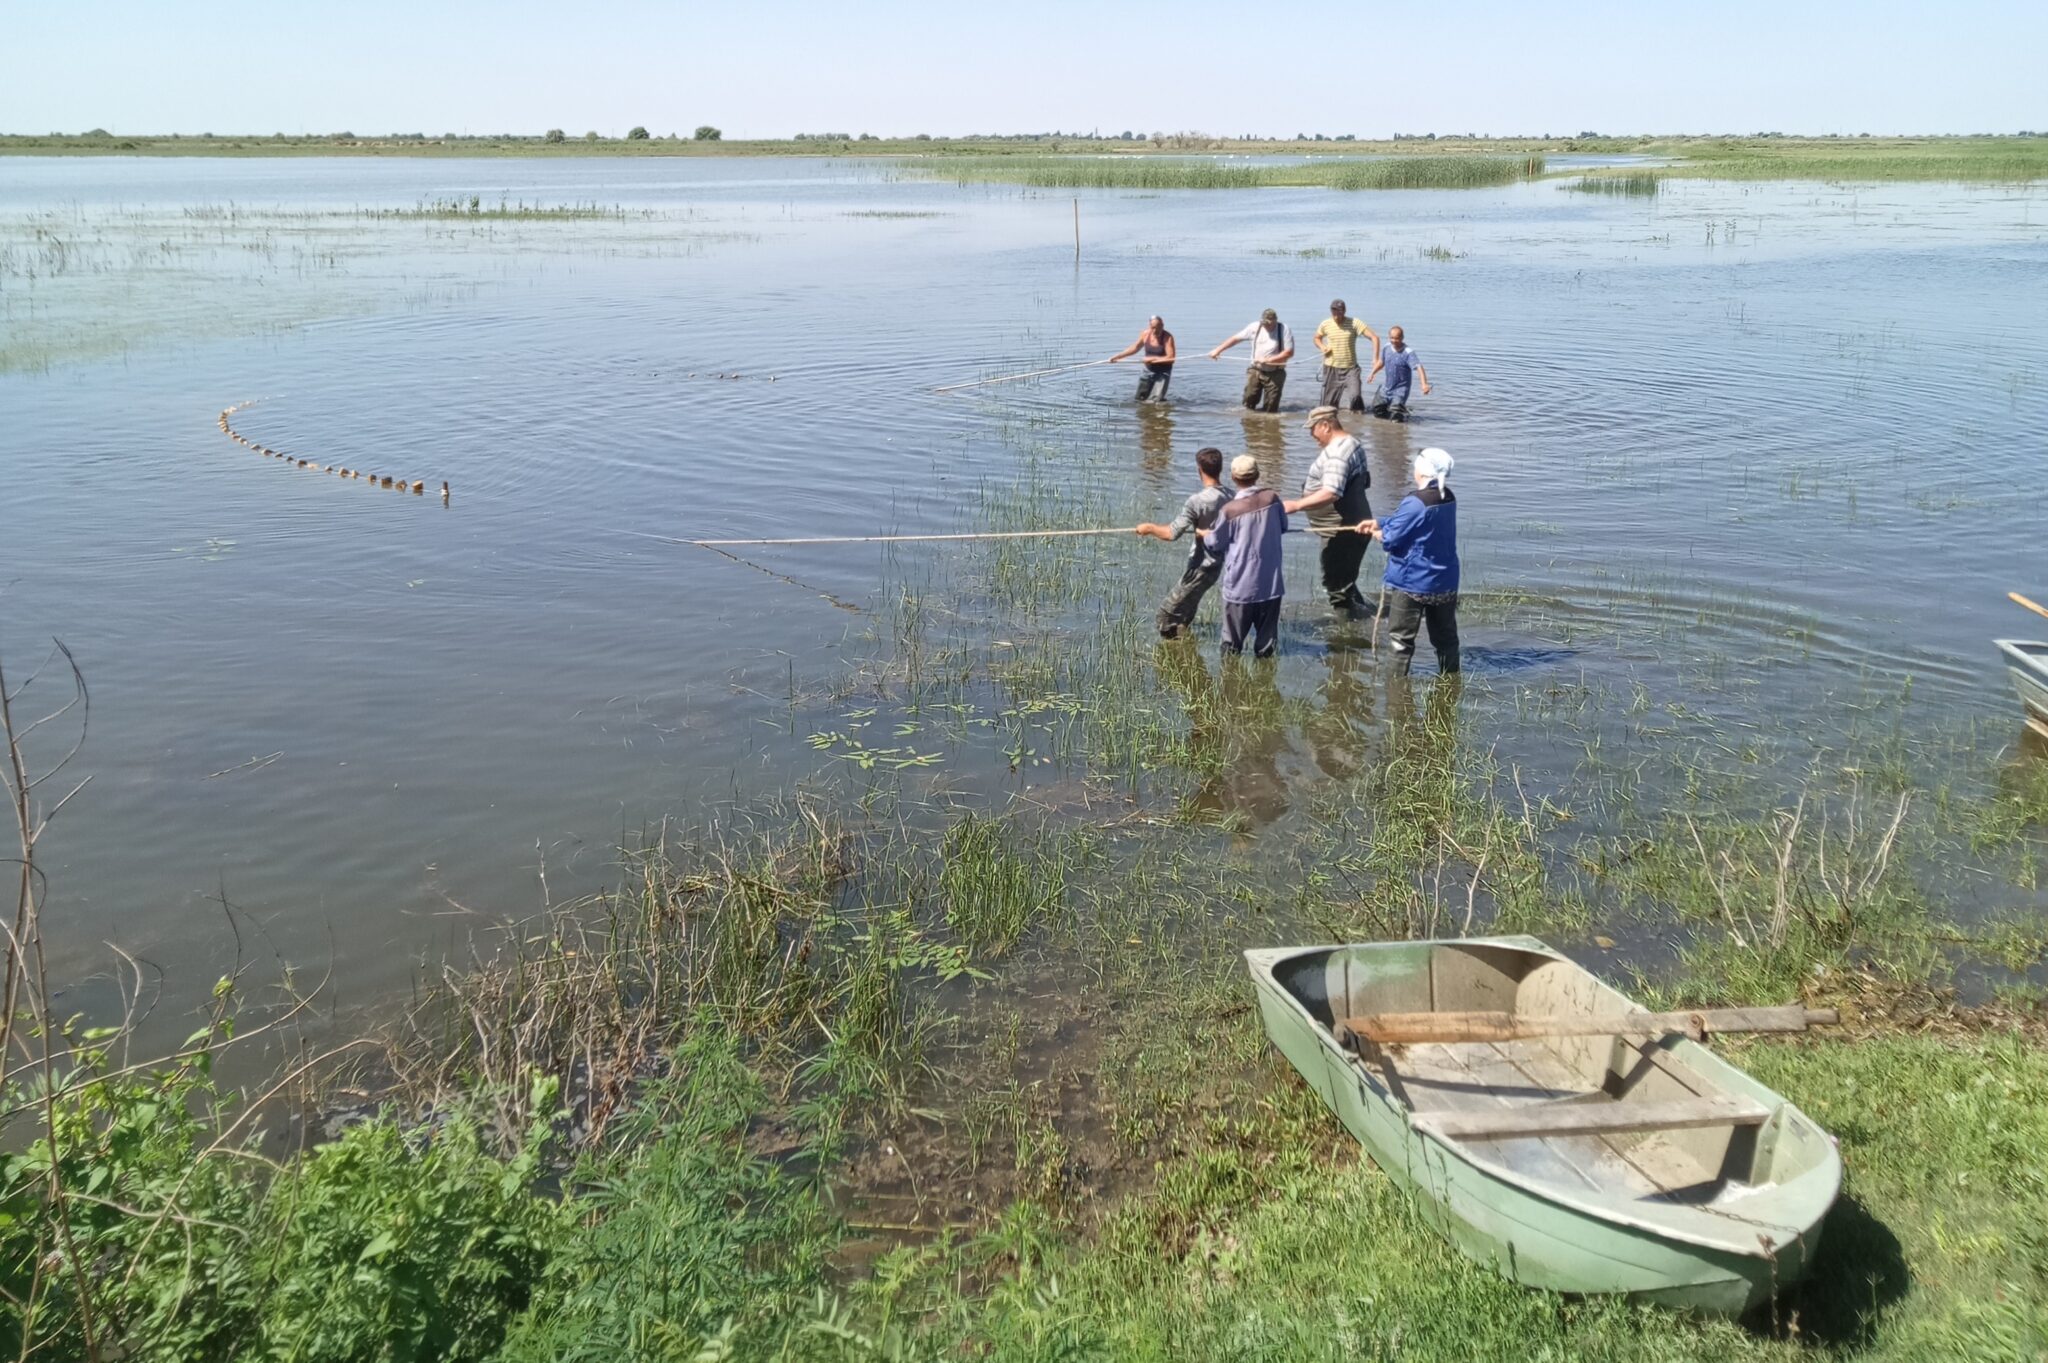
x=1421 y=540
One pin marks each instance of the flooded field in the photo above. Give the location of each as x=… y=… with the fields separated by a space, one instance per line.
x=1746 y=469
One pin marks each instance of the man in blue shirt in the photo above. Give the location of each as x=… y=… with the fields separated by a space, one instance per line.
x=1247 y=535
x=1421 y=540
x=1397 y=362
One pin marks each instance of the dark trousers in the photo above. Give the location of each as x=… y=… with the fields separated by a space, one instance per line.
x=1262 y=385
x=1260 y=620
x=1343 y=555
x=1391 y=405
x=1406 y=615
x=1343 y=389
x=1154 y=376
x=1177 y=612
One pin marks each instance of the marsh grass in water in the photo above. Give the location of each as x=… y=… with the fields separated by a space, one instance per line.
x=1073 y=172
x=1638 y=184
x=474 y=209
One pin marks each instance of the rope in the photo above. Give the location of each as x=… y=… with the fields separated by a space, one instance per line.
x=907 y=539
x=1027 y=374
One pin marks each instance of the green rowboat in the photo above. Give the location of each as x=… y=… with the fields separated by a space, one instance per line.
x=1583 y=1162
x=2026 y=661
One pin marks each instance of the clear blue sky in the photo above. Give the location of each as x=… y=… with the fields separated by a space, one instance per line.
x=771 y=70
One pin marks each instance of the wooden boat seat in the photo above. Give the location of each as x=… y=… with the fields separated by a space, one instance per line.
x=1574 y=1118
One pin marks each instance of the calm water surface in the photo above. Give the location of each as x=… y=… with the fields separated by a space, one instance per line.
x=1760 y=452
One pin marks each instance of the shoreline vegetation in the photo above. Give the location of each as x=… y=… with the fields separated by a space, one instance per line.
x=2013 y=158
x=879 y=1073
x=924 y=1061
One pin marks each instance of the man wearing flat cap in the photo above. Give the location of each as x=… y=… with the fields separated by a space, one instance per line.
x=1334 y=497
x=1337 y=338
x=1272 y=348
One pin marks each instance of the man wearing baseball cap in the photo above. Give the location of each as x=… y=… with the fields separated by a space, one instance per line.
x=1272 y=348
x=1334 y=498
x=1247 y=534
x=1337 y=338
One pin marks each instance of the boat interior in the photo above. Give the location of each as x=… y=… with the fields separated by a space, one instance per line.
x=1614 y=1115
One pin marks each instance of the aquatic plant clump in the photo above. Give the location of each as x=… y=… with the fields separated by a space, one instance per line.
x=1637 y=184
x=1398 y=172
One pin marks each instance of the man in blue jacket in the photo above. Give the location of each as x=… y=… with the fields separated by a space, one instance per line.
x=1421 y=540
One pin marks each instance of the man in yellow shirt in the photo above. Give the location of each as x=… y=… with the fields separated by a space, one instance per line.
x=1343 y=382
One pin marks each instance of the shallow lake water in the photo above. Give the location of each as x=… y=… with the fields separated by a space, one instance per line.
x=1766 y=457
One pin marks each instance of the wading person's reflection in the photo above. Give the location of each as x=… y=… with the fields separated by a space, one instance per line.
x=1155 y=439
x=1237 y=733
x=1339 y=728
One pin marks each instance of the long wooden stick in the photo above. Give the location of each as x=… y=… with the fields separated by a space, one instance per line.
x=1027 y=374
x=1389 y=1029
x=2034 y=606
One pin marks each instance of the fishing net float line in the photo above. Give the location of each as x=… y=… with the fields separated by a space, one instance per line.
x=416 y=486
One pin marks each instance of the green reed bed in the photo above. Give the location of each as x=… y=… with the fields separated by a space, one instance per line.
x=1131 y=172
x=474 y=209
x=1636 y=184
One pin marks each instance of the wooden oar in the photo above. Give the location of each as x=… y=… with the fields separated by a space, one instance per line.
x=2034 y=606
x=1389 y=1029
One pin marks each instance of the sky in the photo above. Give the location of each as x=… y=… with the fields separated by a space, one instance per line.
x=774 y=70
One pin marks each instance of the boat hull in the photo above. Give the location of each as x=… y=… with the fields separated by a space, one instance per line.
x=2026 y=662
x=1518 y=1228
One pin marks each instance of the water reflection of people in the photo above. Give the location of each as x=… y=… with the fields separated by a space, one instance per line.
x=1266 y=441
x=1237 y=733
x=1421 y=745
x=1155 y=438
x=1339 y=728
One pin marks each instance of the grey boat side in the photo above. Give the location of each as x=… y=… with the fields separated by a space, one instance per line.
x=1532 y=1230
x=2026 y=662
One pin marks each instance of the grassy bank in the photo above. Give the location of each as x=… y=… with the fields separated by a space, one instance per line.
x=1113 y=172
x=1993 y=159
x=952 y=1054
x=1989 y=159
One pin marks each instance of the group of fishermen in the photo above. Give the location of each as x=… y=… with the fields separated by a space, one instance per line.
x=1238 y=528
x=1344 y=380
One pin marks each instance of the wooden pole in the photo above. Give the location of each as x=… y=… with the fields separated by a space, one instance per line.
x=1077 y=229
x=2033 y=606
x=1388 y=1029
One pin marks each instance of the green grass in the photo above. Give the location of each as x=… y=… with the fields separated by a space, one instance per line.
x=1998 y=160
x=1264 y=1242
x=1637 y=184
x=474 y=209
x=1137 y=172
